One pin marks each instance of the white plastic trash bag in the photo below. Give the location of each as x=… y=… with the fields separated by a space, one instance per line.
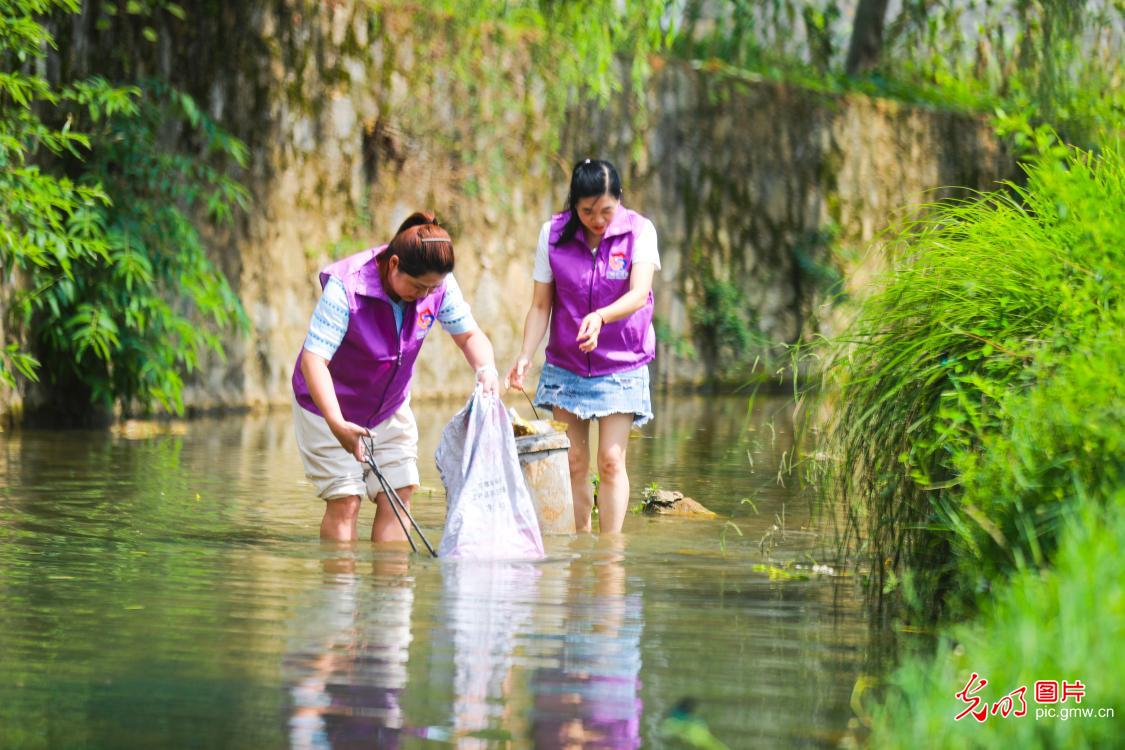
x=489 y=513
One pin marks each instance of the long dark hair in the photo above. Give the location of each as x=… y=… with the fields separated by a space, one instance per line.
x=416 y=257
x=590 y=177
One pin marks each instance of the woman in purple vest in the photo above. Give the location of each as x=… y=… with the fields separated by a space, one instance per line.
x=593 y=287
x=352 y=377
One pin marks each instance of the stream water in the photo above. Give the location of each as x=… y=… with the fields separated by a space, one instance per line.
x=166 y=588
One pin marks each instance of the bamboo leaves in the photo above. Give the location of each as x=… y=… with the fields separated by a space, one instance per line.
x=108 y=279
x=93 y=329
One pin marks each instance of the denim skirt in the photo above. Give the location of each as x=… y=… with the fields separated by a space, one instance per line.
x=589 y=398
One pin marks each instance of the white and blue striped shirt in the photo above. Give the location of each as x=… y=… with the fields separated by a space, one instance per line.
x=330 y=318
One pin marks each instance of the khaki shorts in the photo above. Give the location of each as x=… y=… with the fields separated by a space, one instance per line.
x=335 y=473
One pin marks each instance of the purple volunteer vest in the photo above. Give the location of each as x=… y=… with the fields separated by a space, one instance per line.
x=585 y=281
x=371 y=370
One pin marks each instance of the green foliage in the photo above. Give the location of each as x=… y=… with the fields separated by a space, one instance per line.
x=34 y=207
x=980 y=390
x=133 y=26
x=1052 y=445
x=681 y=345
x=115 y=292
x=1068 y=623
x=816 y=255
x=725 y=326
x=159 y=289
x=778 y=39
x=1058 y=61
x=515 y=68
x=1054 y=61
x=725 y=323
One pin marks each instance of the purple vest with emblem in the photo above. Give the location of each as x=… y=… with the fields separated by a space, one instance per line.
x=372 y=368
x=586 y=281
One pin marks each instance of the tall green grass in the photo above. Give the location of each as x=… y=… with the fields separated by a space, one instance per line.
x=980 y=389
x=1064 y=624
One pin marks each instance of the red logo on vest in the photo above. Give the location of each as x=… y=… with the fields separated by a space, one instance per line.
x=616 y=268
x=425 y=321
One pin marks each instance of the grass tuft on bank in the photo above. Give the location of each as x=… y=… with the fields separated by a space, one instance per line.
x=980 y=389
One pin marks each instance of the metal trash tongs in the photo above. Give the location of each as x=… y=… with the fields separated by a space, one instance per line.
x=392 y=497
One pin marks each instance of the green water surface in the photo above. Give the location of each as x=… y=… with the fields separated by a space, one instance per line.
x=169 y=590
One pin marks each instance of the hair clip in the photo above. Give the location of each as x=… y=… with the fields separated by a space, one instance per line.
x=435 y=239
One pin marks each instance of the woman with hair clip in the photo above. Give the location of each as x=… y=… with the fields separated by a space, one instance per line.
x=352 y=377
x=593 y=286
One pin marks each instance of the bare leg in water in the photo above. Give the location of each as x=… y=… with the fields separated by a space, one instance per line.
x=341 y=517
x=578 y=432
x=386 y=527
x=613 y=492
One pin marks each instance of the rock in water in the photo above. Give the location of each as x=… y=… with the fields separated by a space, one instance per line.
x=673 y=503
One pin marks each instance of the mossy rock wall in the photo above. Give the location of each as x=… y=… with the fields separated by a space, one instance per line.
x=767 y=192
x=753 y=187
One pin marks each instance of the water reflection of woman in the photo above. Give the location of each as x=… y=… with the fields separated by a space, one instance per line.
x=591 y=700
x=347 y=666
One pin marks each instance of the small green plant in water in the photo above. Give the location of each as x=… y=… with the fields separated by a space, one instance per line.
x=728 y=526
x=784 y=572
x=650 y=490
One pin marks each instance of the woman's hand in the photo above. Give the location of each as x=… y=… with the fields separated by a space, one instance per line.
x=489 y=379
x=349 y=434
x=515 y=376
x=589 y=330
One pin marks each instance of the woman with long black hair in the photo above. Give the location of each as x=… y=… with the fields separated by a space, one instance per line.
x=593 y=274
